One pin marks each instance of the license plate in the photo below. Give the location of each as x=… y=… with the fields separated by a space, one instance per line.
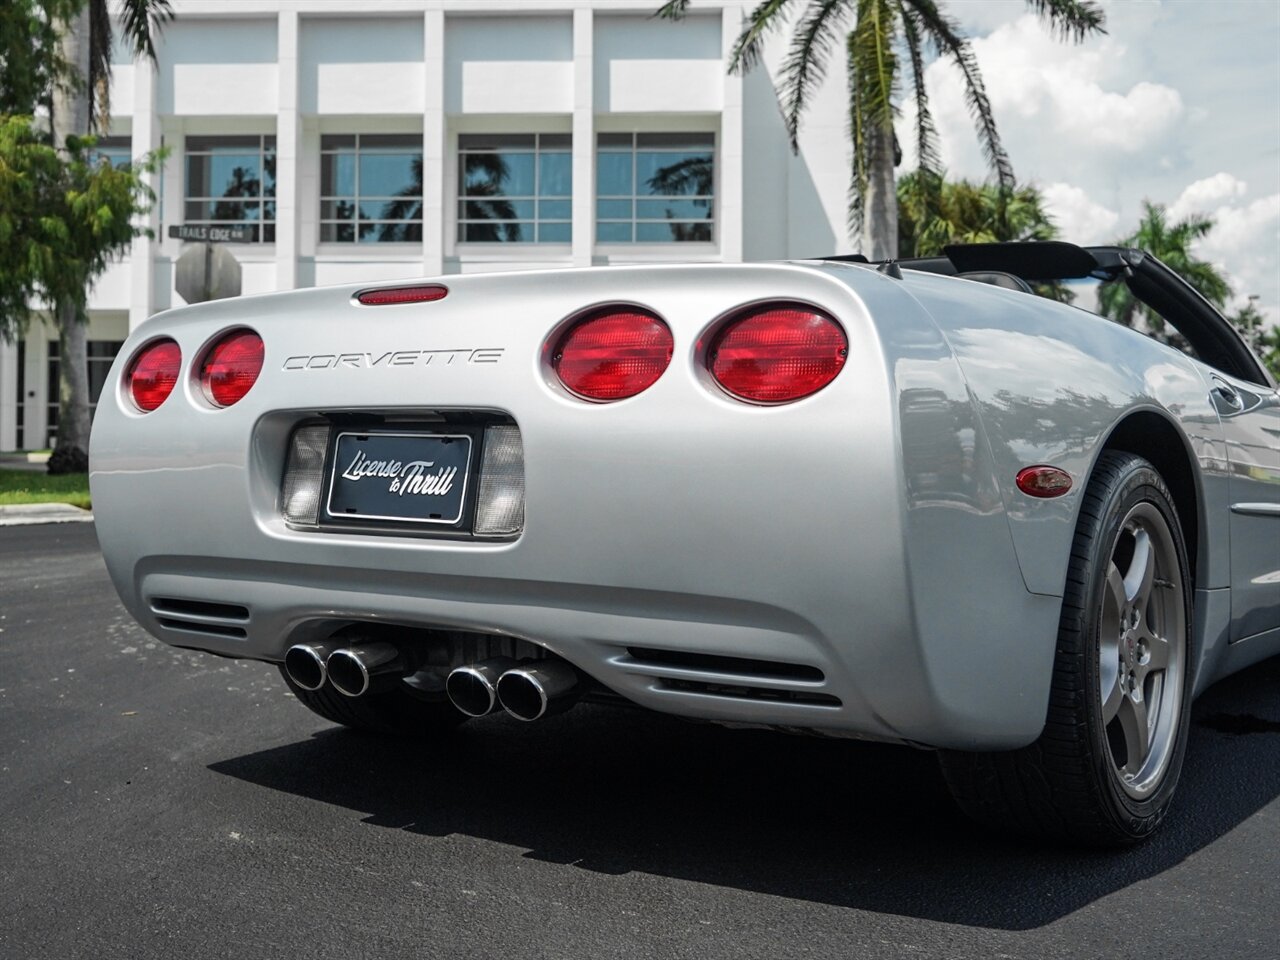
x=405 y=477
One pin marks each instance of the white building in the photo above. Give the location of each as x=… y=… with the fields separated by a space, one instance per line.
x=377 y=139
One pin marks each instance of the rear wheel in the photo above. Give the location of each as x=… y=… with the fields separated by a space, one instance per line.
x=1105 y=768
x=397 y=711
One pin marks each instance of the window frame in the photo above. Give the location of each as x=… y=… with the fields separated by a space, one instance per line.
x=537 y=198
x=261 y=200
x=635 y=198
x=413 y=140
x=106 y=147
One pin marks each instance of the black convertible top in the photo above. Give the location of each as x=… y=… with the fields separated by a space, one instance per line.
x=1209 y=333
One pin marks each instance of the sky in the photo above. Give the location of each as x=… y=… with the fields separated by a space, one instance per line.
x=1178 y=104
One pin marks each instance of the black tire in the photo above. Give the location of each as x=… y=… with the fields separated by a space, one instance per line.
x=1075 y=783
x=395 y=712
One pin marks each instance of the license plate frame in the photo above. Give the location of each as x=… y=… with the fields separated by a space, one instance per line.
x=396 y=464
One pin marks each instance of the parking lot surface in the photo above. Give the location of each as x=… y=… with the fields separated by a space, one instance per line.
x=163 y=803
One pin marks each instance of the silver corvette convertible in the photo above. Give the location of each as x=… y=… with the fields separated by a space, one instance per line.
x=910 y=502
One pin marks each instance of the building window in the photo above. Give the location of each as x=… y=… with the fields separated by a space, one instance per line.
x=371 y=188
x=515 y=188
x=117 y=151
x=655 y=187
x=100 y=354
x=232 y=180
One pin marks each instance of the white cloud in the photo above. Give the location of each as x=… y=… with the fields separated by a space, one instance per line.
x=1206 y=195
x=1243 y=244
x=1166 y=108
x=1058 y=105
x=1079 y=219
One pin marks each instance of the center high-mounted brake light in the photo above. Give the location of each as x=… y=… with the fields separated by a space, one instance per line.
x=386 y=296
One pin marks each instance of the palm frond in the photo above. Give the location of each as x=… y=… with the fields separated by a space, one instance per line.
x=142 y=21
x=673 y=10
x=806 y=63
x=945 y=35
x=750 y=43
x=927 y=151
x=875 y=62
x=690 y=176
x=1071 y=19
x=98 y=86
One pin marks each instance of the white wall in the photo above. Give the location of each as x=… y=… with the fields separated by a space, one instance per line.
x=218 y=67
x=509 y=64
x=644 y=65
x=352 y=66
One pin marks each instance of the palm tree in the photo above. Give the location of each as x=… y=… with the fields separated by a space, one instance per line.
x=80 y=106
x=882 y=31
x=1171 y=244
x=934 y=212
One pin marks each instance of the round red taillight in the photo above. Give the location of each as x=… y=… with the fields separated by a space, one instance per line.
x=1043 y=482
x=613 y=354
x=153 y=373
x=231 y=367
x=777 y=352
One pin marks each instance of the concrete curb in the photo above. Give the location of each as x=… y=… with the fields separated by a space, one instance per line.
x=24 y=514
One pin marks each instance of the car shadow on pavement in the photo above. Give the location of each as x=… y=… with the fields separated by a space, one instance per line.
x=829 y=821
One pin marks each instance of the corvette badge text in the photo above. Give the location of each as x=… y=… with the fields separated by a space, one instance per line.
x=395 y=358
x=412 y=477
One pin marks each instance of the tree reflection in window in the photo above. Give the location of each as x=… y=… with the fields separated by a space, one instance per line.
x=371 y=188
x=655 y=187
x=515 y=188
x=232 y=180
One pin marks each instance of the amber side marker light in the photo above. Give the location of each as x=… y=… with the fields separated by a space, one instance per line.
x=1043 y=482
x=387 y=296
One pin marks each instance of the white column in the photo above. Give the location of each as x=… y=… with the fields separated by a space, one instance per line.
x=146 y=138
x=584 y=138
x=8 y=395
x=731 y=196
x=433 y=144
x=288 y=142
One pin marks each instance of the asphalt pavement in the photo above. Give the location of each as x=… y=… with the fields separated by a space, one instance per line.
x=156 y=803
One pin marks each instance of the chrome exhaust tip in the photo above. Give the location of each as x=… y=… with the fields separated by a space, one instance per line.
x=537 y=688
x=353 y=671
x=305 y=663
x=473 y=688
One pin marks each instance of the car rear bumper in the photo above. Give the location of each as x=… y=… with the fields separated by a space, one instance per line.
x=678 y=521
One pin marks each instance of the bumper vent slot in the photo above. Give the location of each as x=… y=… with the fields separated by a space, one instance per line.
x=764 y=669
x=757 y=694
x=202 y=616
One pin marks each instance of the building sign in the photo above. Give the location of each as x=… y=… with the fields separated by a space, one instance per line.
x=203 y=233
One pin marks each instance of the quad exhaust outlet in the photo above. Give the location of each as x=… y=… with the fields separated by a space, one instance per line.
x=537 y=688
x=473 y=689
x=356 y=670
x=526 y=689
x=306 y=663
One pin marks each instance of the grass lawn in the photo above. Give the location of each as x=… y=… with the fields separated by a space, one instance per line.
x=31 y=486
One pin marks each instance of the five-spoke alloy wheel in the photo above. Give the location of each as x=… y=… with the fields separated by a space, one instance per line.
x=1104 y=769
x=1140 y=668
